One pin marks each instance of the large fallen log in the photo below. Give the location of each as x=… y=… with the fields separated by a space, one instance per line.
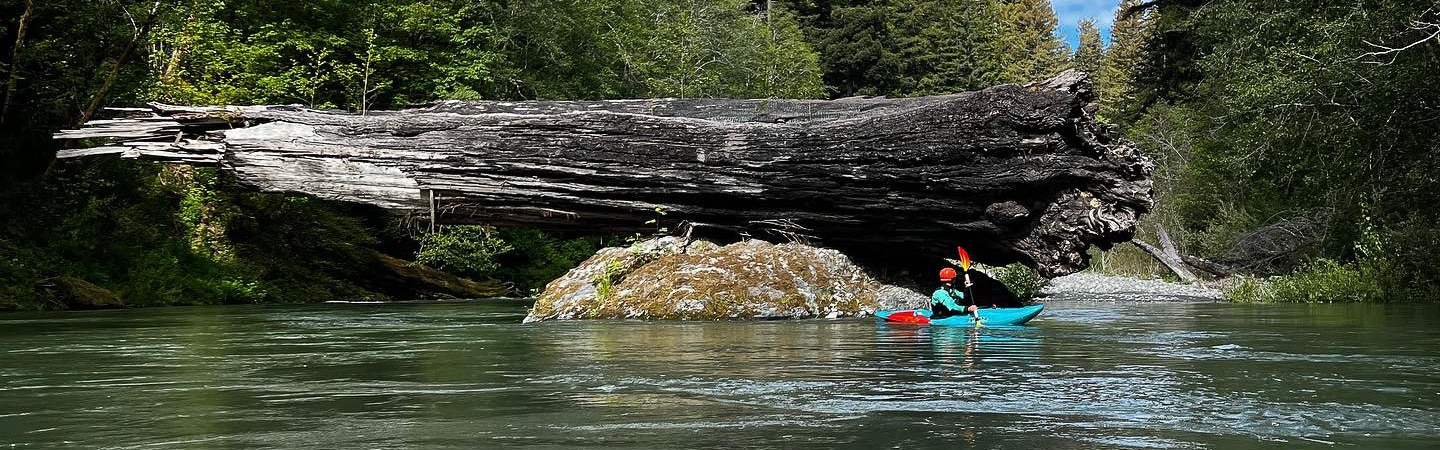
x=1013 y=173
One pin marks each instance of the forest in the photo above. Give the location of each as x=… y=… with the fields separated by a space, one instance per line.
x=1295 y=139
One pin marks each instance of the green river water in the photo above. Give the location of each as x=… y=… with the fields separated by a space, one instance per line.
x=469 y=375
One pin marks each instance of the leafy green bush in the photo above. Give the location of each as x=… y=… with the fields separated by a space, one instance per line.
x=16 y=281
x=537 y=257
x=1021 y=280
x=1411 y=247
x=464 y=250
x=236 y=290
x=1322 y=281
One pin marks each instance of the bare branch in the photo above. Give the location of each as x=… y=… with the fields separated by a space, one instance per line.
x=1431 y=26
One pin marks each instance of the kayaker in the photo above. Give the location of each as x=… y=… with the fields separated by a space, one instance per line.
x=945 y=302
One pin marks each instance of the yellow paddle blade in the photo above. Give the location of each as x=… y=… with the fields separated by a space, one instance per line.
x=964 y=258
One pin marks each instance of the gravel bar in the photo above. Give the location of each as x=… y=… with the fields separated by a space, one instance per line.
x=1089 y=287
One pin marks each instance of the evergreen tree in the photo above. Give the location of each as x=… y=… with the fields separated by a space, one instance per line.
x=903 y=47
x=1116 y=80
x=1177 y=40
x=715 y=48
x=1027 y=42
x=1091 y=54
x=783 y=64
x=858 y=50
x=944 y=44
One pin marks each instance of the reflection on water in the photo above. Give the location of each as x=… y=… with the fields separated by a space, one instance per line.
x=466 y=374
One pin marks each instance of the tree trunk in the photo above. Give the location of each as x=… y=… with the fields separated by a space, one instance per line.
x=1174 y=263
x=120 y=63
x=1012 y=173
x=14 y=75
x=1214 y=268
x=182 y=45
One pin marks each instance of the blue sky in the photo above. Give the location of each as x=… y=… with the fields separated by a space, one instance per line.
x=1072 y=11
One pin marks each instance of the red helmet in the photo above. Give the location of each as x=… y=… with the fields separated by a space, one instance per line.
x=947 y=274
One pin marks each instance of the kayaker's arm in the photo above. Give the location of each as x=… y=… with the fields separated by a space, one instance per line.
x=952 y=300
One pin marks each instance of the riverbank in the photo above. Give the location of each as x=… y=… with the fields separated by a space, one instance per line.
x=1091 y=287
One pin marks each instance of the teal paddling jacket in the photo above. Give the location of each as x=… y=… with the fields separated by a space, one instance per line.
x=943 y=296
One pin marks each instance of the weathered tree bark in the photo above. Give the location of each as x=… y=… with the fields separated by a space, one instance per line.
x=1013 y=173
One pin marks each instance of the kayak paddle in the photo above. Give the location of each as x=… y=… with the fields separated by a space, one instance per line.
x=965 y=266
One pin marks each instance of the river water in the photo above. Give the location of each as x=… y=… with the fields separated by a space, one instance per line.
x=469 y=375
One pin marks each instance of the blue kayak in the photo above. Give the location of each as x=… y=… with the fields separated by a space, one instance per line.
x=988 y=316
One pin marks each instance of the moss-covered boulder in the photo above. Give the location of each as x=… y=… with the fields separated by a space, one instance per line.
x=76 y=293
x=670 y=278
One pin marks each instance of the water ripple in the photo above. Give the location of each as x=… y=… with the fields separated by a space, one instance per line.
x=461 y=375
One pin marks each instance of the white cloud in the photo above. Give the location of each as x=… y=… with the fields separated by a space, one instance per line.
x=1071 y=12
